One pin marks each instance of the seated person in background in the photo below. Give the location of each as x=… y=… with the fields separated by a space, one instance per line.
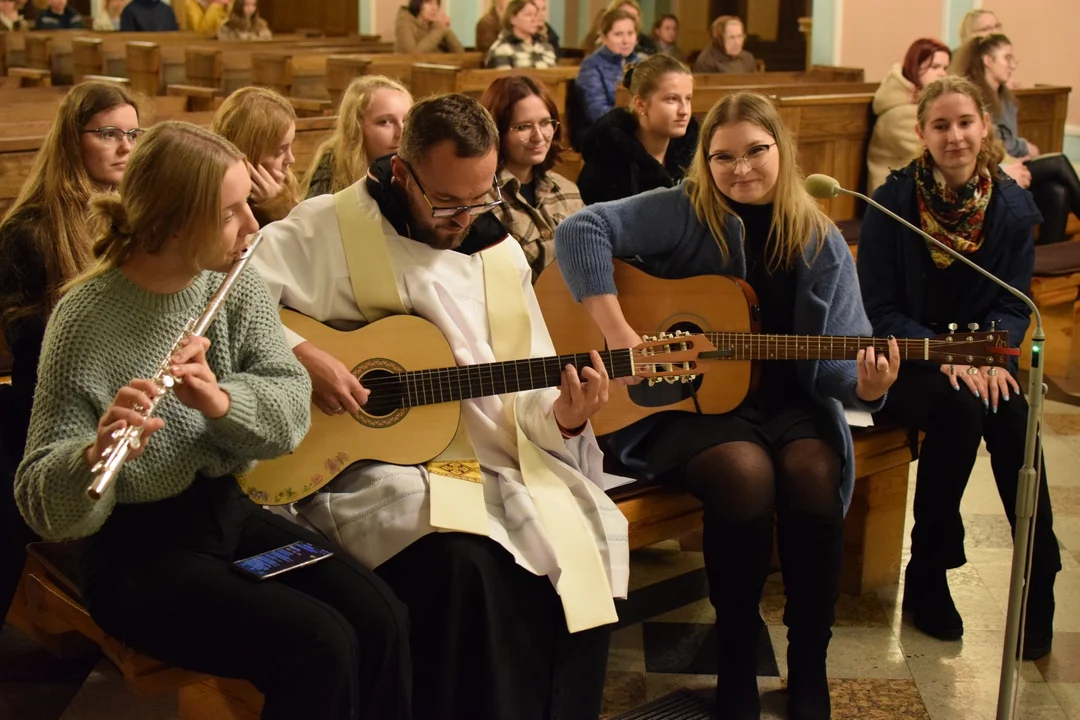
x=327 y=641
x=1052 y=180
x=602 y=71
x=245 y=23
x=368 y=127
x=666 y=33
x=647 y=145
x=492 y=639
x=57 y=15
x=148 y=16
x=518 y=45
x=107 y=18
x=423 y=27
x=644 y=44
x=263 y=125
x=980 y=23
x=787 y=449
x=725 y=54
x=45 y=241
x=206 y=16
x=547 y=33
x=954 y=192
x=28 y=10
x=11 y=19
x=489 y=26
x=894 y=142
x=535 y=198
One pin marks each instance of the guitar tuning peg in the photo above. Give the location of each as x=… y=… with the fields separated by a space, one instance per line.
x=973 y=326
x=993 y=325
x=952 y=327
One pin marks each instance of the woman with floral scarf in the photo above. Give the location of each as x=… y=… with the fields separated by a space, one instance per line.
x=955 y=192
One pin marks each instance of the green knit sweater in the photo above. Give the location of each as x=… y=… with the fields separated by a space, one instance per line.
x=109 y=331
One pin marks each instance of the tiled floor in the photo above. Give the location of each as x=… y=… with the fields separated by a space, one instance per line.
x=879 y=667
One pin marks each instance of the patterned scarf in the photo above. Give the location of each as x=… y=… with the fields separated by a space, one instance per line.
x=955 y=217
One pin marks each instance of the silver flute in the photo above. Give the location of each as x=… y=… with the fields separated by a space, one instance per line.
x=130 y=438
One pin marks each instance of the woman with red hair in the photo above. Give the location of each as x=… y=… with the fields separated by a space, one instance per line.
x=894 y=143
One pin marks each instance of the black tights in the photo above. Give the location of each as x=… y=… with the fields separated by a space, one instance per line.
x=1056 y=190
x=740 y=485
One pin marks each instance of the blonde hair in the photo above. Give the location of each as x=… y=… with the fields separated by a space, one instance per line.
x=797 y=219
x=968 y=21
x=347 y=141
x=255 y=119
x=58 y=189
x=993 y=151
x=642 y=78
x=172 y=186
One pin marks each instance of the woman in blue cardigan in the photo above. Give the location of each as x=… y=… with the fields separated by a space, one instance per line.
x=956 y=192
x=743 y=211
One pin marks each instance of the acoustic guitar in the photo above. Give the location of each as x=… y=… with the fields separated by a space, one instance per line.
x=412 y=413
x=724 y=310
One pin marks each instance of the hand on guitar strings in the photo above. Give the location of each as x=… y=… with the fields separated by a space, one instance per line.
x=127 y=409
x=580 y=398
x=989 y=384
x=625 y=338
x=196 y=385
x=877 y=372
x=334 y=389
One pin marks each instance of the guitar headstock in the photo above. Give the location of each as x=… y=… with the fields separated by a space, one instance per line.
x=974 y=347
x=670 y=357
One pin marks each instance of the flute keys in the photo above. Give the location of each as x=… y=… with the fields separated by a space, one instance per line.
x=168 y=381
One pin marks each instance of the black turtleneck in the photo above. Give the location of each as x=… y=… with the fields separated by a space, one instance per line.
x=775 y=291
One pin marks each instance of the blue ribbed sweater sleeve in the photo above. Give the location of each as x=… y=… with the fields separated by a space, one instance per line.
x=659 y=225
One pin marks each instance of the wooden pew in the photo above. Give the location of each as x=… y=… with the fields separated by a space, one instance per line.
x=343 y=69
x=299 y=73
x=228 y=66
x=705 y=96
x=818 y=74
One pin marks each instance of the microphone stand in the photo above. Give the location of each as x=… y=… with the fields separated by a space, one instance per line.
x=1028 y=486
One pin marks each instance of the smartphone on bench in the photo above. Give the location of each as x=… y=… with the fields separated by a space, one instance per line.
x=275 y=562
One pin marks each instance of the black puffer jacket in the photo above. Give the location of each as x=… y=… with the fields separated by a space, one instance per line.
x=618 y=166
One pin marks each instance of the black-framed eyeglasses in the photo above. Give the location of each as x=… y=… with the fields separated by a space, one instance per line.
x=754 y=158
x=116 y=135
x=449 y=212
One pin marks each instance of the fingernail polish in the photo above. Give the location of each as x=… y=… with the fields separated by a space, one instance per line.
x=956 y=388
x=976 y=393
x=1006 y=398
x=995 y=409
x=986 y=404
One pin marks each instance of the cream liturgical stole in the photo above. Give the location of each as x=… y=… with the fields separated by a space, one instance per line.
x=455 y=479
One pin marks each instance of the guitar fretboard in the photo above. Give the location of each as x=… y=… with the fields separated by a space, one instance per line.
x=754 y=346
x=427 y=387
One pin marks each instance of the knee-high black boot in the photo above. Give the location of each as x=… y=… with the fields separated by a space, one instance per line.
x=737 y=558
x=810 y=553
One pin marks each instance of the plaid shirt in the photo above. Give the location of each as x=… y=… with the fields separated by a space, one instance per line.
x=556 y=199
x=509 y=51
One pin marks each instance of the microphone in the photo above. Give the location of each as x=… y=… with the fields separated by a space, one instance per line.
x=825 y=187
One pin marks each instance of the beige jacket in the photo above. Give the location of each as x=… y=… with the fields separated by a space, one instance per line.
x=413 y=35
x=893 y=143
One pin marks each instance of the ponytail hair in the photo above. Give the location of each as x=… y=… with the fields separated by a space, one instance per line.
x=643 y=78
x=172 y=187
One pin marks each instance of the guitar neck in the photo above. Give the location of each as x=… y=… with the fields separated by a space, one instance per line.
x=427 y=387
x=752 y=346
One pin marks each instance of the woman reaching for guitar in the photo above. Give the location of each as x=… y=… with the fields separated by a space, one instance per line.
x=743 y=211
x=955 y=191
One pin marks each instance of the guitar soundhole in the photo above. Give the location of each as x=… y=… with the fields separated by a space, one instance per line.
x=663 y=392
x=386 y=404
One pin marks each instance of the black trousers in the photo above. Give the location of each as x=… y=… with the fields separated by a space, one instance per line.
x=955 y=422
x=327 y=641
x=15 y=534
x=489 y=638
x=1056 y=190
